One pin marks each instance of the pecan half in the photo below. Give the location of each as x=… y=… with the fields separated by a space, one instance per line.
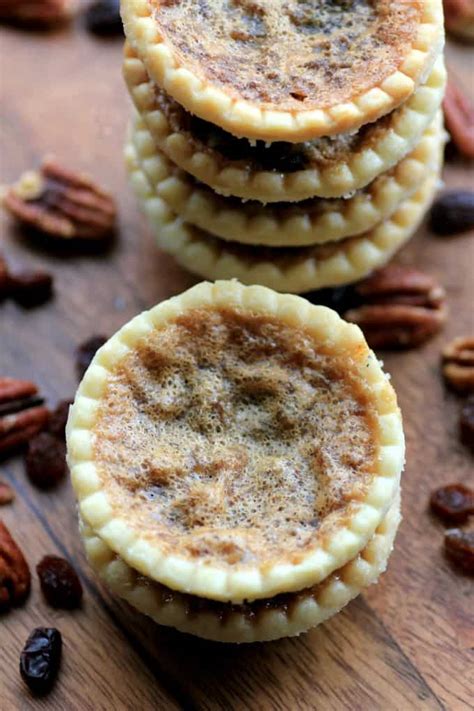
x=61 y=203
x=22 y=414
x=37 y=13
x=458 y=364
x=28 y=287
x=400 y=307
x=15 y=577
x=459 y=18
x=459 y=117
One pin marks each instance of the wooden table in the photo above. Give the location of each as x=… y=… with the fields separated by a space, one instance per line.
x=406 y=644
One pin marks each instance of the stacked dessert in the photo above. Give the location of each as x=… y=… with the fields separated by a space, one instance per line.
x=294 y=144
x=236 y=454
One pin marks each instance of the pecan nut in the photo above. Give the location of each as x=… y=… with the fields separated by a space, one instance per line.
x=458 y=364
x=62 y=204
x=22 y=414
x=37 y=13
x=15 y=577
x=28 y=287
x=459 y=18
x=400 y=307
x=459 y=117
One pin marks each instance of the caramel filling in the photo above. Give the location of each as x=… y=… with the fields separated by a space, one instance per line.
x=233 y=438
x=290 y=54
x=278 y=156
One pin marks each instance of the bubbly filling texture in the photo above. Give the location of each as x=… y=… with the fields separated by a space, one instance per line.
x=290 y=54
x=233 y=438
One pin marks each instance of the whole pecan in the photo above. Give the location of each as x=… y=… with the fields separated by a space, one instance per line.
x=459 y=18
x=459 y=117
x=22 y=414
x=400 y=307
x=15 y=577
x=37 y=13
x=458 y=364
x=61 y=203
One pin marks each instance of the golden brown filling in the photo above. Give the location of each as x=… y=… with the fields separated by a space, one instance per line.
x=290 y=54
x=232 y=438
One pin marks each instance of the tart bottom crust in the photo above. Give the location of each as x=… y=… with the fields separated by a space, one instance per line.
x=226 y=623
x=380 y=152
x=296 y=270
x=316 y=222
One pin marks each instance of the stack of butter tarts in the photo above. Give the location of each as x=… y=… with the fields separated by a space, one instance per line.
x=236 y=455
x=291 y=143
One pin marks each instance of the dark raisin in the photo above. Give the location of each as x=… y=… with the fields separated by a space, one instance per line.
x=452 y=212
x=85 y=353
x=58 y=419
x=454 y=502
x=103 y=17
x=31 y=288
x=40 y=659
x=45 y=460
x=59 y=582
x=341 y=298
x=466 y=423
x=459 y=547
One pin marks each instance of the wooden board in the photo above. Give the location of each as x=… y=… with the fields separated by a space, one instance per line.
x=407 y=643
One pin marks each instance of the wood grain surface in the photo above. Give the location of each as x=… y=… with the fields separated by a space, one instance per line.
x=405 y=644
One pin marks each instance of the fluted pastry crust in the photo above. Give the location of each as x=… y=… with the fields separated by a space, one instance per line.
x=371 y=87
x=334 y=171
x=293 y=269
x=314 y=221
x=341 y=535
x=251 y=623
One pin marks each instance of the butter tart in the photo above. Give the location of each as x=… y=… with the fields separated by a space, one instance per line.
x=234 y=443
x=313 y=221
x=288 y=269
x=281 y=171
x=286 y=70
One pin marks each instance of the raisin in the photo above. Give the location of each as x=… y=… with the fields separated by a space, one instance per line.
x=40 y=659
x=459 y=548
x=452 y=213
x=454 y=502
x=31 y=288
x=59 y=582
x=85 y=353
x=103 y=18
x=466 y=423
x=58 y=419
x=45 y=460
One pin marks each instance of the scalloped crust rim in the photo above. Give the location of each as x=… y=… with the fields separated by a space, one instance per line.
x=348 y=261
x=333 y=181
x=245 y=119
x=288 y=226
x=336 y=591
x=342 y=541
